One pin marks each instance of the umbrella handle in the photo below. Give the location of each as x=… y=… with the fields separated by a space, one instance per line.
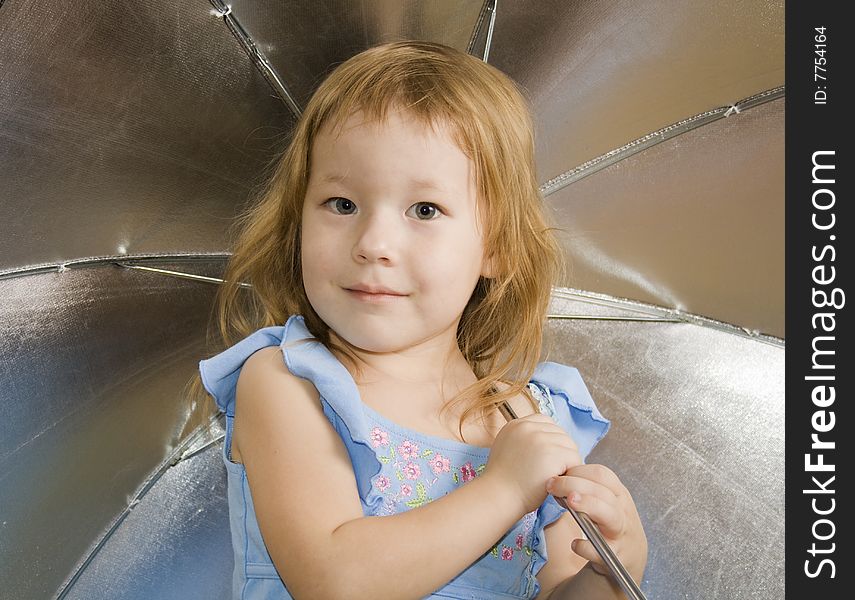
x=592 y=532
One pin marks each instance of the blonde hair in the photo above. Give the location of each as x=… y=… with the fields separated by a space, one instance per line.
x=500 y=331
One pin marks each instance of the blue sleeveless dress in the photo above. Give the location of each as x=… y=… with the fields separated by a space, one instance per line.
x=397 y=469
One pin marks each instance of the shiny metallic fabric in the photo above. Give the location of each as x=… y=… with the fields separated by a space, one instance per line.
x=94 y=363
x=301 y=54
x=697 y=438
x=601 y=73
x=152 y=152
x=694 y=223
x=174 y=544
x=136 y=129
x=126 y=129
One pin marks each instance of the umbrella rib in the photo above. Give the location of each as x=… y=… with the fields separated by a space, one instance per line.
x=490 y=30
x=181 y=274
x=488 y=7
x=183 y=451
x=651 y=139
x=256 y=55
x=97 y=261
x=657 y=314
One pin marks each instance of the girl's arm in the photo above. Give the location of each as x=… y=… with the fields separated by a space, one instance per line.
x=587 y=584
x=597 y=491
x=411 y=554
x=566 y=575
x=563 y=563
x=306 y=501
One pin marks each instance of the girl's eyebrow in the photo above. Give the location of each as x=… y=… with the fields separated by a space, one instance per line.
x=419 y=184
x=333 y=178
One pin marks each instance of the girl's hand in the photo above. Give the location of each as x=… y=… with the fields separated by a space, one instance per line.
x=526 y=453
x=597 y=491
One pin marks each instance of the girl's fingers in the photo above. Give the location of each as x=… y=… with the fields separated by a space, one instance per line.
x=602 y=475
x=608 y=516
x=565 y=486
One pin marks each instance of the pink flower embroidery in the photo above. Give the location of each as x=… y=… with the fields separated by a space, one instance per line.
x=408 y=449
x=382 y=483
x=412 y=471
x=467 y=471
x=507 y=553
x=440 y=464
x=519 y=541
x=379 y=437
x=406 y=490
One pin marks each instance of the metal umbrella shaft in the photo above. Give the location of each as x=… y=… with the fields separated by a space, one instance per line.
x=592 y=532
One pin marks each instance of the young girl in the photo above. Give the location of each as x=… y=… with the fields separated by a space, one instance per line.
x=401 y=270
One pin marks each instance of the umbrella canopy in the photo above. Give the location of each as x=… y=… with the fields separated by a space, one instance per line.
x=131 y=135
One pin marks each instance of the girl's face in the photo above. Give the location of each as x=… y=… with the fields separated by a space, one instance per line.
x=390 y=207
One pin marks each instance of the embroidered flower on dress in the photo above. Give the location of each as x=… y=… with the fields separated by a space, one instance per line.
x=382 y=483
x=467 y=471
x=412 y=470
x=421 y=470
x=440 y=464
x=379 y=437
x=408 y=449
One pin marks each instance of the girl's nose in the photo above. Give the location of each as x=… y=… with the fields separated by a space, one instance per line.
x=375 y=240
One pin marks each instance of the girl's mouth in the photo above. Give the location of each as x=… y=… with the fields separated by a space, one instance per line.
x=374 y=298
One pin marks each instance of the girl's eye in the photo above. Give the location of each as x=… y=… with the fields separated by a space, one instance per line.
x=343 y=206
x=425 y=211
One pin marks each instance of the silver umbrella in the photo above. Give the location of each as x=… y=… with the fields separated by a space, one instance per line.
x=132 y=134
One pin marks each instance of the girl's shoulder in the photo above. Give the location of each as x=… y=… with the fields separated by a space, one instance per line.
x=290 y=355
x=263 y=387
x=220 y=372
